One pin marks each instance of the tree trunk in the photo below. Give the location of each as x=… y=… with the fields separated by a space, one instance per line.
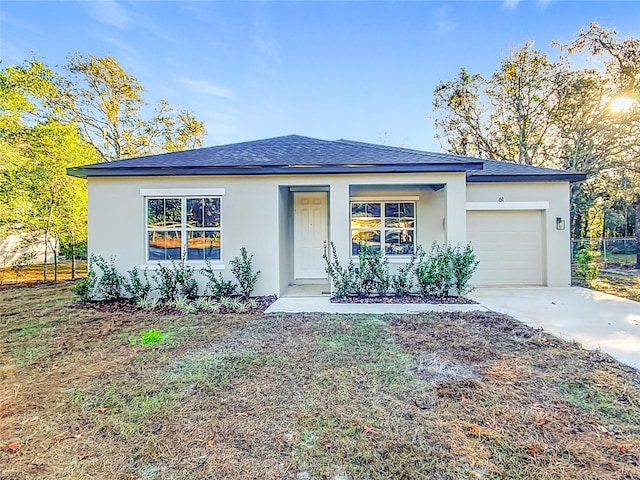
x=638 y=232
x=46 y=234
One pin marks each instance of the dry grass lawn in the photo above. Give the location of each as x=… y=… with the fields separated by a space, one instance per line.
x=34 y=273
x=315 y=396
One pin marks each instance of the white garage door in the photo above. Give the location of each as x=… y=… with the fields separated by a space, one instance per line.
x=508 y=245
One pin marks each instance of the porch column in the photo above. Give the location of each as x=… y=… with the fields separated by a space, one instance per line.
x=339 y=218
x=455 y=231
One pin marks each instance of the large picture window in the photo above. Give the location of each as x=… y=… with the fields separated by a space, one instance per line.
x=388 y=225
x=174 y=224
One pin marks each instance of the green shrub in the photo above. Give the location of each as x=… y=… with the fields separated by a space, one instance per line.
x=587 y=268
x=464 y=265
x=137 y=287
x=176 y=281
x=434 y=272
x=373 y=272
x=402 y=282
x=217 y=286
x=110 y=283
x=243 y=271
x=85 y=289
x=344 y=280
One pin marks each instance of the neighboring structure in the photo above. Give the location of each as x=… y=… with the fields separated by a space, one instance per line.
x=18 y=247
x=286 y=198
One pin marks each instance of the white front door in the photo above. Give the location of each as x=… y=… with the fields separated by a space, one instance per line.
x=310 y=234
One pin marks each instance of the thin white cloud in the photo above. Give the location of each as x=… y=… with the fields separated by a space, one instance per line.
x=443 y=22
x=110 y=12
x=510 y=4
x=263 y=38
x=205 y=87
x=543 y=4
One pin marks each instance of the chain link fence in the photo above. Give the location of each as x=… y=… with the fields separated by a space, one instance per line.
x=621 y=251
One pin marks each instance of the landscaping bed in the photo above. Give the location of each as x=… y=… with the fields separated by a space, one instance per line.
x=404 y=299
x=258 y=305
x=304 y=396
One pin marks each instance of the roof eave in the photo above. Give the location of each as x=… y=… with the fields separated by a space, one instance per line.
x=102 y=171
x=548 y=177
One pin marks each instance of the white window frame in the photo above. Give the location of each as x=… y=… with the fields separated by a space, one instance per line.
x=383 y=228
x=183 y=195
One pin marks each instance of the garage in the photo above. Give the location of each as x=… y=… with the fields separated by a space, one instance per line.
x=509 y=246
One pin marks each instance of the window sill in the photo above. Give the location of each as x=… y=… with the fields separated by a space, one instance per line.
x=196 y=264
x=392 y=259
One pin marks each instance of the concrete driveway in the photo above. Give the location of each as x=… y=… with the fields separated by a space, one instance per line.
x=594 y=319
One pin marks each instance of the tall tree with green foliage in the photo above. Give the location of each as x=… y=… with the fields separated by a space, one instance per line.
x=622 y=68
x=540 y=112
x=50 y=120
x=504 y=117
x=106 y=102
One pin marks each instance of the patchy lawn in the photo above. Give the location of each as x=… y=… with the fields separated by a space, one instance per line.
x=621 y=284
x=442 y=396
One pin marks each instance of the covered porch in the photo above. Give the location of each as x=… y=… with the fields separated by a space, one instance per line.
x=394 y=216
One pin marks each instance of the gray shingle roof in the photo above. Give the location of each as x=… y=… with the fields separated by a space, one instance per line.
x=494 y=171
x=296 y=154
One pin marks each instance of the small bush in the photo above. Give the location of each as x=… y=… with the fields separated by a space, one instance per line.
x=217 y=286
x=373 y=271
x=109 y=286
x=587 y=268
x=85 y=289
x=344 y=280
x=464 y=265
x=402 y=282
x=138 y=288
x=147 y=303
x=243 y=271
x=175 y=281
x=434 y=273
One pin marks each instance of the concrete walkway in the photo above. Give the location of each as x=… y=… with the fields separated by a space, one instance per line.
x=594 y=319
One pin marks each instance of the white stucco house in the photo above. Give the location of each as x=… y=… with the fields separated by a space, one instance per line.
x=286 y=198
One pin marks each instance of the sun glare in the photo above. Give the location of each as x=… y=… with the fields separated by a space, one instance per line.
x=622 y=104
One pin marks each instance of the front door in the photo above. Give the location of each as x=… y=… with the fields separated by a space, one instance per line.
x=310 y=234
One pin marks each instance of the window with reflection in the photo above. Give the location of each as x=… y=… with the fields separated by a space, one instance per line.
x=187 y=228
x=383 y=225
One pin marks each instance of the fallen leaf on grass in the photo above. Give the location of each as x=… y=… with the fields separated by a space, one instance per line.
x=211 y=443
x=370 y=429
x=533 y=450
x=13 y=447
x=84 y=455
x=474 y=429
x=622 y=449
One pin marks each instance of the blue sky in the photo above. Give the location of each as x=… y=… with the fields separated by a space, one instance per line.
x=357 y=70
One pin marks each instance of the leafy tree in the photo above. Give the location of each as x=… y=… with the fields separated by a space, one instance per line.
x=505 y=117
x=51 y=120
x=106 y=102
x=622 y=68
x=539 y=112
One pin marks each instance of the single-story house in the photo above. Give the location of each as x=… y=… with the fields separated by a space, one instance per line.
x=285 y=199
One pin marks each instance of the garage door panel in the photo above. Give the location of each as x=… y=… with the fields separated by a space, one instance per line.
x=508 y=245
